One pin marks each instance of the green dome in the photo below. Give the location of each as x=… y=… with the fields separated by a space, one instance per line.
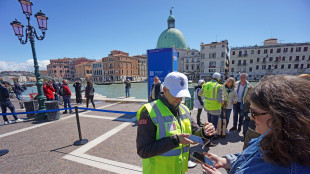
x=171 y=18
x=171 y=37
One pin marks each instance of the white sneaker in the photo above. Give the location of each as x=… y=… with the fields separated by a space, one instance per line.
x=12 y=122
x=191 y=164
x=6 y=123
x=227 y=131
x=19 y=120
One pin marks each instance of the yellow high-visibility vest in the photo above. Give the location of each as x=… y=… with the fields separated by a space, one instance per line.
x=175 y=160
x=210 y=90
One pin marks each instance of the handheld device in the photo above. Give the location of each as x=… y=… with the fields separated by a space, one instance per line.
x=196 y=139
x=202 y=158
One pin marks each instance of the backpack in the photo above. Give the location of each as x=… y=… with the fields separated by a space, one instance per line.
x=61 y=91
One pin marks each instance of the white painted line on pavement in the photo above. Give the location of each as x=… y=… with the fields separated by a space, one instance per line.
x=109 y=118
x=32 y=127
x=105 y=164
x=79 y=155
x=43 y=124
x=100 y=139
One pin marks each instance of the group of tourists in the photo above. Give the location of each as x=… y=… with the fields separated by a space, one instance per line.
x=278 y=107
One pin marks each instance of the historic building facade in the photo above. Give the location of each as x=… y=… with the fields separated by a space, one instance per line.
x=119 y=66
x=97 y=72
x=64 y=68
x=84 y=70
x=142 y=66
x=271 y=58
x=214 y=58
x=191 y=64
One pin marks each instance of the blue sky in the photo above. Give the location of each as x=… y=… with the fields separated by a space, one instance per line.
x=93 y=28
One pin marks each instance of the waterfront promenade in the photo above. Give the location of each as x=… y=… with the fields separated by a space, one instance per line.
x=46 y=147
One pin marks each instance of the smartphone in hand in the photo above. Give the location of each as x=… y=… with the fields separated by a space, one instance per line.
x=202 y=158
x=196 y=139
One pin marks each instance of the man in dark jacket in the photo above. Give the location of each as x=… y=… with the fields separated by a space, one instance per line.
x=66 y=96
x=127 y=88
x=157 y=88
x=56 y=87
x=78 y=92
x=18 y=92
x=5 y=102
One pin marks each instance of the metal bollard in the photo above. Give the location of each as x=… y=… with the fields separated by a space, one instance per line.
x=80 y=141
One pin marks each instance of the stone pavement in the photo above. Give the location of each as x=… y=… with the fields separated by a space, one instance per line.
x=46 y=146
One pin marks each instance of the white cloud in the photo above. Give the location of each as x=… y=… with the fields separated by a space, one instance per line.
x=22 y=66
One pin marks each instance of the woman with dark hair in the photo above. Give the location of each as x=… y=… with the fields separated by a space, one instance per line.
x=89 y=94
x=280 y=109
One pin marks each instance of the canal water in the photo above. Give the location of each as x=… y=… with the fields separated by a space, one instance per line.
x=138 y=90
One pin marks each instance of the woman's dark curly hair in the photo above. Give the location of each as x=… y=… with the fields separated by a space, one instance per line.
x=287 y=99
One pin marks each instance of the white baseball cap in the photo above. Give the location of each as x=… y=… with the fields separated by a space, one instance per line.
x=177 y=83
x=216 y=75
x=200 y=81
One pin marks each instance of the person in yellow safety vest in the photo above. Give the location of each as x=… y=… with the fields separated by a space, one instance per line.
x=163 y=128
x=212 y=92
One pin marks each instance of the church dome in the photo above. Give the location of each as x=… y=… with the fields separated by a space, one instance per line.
x=171 y=37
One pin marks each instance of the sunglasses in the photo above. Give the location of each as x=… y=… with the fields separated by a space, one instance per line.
x=255 y=114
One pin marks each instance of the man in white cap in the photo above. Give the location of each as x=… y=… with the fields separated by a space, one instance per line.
x=213 y=95
x=163 y=128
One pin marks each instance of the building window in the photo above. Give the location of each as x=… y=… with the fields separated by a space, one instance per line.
x=264 y=59
x=285 y=50
x=303 y=57
x=292 y=50
x=298 y=49
x=244 y=62
x=211 y=70
x=233 y=53
x=240 y=53
x=252 y=51
x=276 y=67
x=279 y=50
x=291 y=58
x=297 y=58
x=192 y=67
x=233 y=62
x=223 y=54
x=308 y=65
x=257 y=59
x=269 y=66
x=301 y=66
x=265 y=51
x=187 y=67
x=282 y=66
x=296 y=66
x=250 y=69
x=289 y=66
x=239 y=62
x=305 y=48
x=283 y=58
x=257 y=66
x=270 y=59
x=251 y=60
x=192 y=60
x=271 y=50
x=222 y=63
x=212 y=63
x=202 y=56
x=263 y=66
x=232 y=69
x=258 y=51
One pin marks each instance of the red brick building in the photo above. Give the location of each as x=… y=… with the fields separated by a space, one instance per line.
x=119 y=66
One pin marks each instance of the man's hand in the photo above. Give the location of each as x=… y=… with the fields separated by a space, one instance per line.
x=209 y=129
x=183 y=140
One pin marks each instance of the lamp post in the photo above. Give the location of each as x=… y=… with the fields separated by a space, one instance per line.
x=31 y=33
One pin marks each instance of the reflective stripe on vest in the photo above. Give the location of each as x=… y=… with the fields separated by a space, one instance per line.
x=214 y=91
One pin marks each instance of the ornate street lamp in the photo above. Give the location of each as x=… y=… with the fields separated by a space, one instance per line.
x=31 y=33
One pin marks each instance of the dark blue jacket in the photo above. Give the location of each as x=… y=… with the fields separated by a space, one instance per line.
x=4 y=94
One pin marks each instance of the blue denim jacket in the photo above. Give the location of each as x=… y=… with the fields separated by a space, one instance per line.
x=251 y=161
